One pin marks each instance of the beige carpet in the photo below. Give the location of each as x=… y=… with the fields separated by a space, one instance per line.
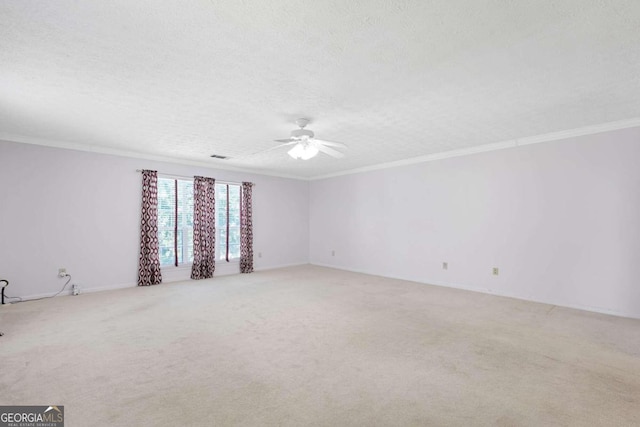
x=315 y=346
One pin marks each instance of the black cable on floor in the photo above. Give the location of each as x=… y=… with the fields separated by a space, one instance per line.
x=37 y=299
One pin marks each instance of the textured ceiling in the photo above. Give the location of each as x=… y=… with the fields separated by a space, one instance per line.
x=392 y=79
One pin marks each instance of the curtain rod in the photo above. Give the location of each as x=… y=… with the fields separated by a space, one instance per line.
x=169 y=175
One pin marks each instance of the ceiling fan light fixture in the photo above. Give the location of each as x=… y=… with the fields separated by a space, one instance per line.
x=295 y=151
x=308 y=152
x=303 y=151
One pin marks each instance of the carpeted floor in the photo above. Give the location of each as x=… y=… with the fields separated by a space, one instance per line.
x=315 y=346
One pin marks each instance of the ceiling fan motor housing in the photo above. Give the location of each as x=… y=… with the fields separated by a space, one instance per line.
x=301 y=134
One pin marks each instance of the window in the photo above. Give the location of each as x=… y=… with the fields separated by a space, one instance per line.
x=228 y=221
x=175 y=221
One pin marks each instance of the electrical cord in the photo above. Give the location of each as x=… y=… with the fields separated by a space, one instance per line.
x=37 y=299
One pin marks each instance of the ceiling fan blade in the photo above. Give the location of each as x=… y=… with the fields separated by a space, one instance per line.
x=329 y=151
x=330 y=143
x=288 y=142
x=285 y=140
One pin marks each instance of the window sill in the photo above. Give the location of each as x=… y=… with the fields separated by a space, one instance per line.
x=189 y=265
x=178 y=268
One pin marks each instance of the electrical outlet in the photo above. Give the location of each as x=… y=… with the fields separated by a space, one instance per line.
x=259 y=254
x=62 y=272
x=495 y=271
x=333 y=253
x=445 y=265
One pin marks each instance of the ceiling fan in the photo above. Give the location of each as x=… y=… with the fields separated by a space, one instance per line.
x=306 y=146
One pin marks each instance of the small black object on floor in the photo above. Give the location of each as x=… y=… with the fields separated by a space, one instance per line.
x=6 y=284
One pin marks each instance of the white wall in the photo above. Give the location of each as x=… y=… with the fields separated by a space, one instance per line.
x=561 y=220
x=80 y=210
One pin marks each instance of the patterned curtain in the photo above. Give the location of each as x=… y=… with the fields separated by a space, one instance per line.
x=149 y=261
x=246 y=230
x=204 y=229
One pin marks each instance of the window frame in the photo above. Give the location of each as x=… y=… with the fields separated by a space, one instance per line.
x=184 y=247
x=231 y=260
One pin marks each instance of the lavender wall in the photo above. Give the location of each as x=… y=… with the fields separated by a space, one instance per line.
x=561 y=220
x=80 y=210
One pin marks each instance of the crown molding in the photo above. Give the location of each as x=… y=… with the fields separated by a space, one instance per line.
x=512 y=143
x=547 y=137
x=136 y=155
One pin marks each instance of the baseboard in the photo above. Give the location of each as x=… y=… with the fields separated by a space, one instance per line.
x=67 y=292
x=39 y=296
x=275 y=267
x=83 y=290
x=107 y=288
x=487 y=291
